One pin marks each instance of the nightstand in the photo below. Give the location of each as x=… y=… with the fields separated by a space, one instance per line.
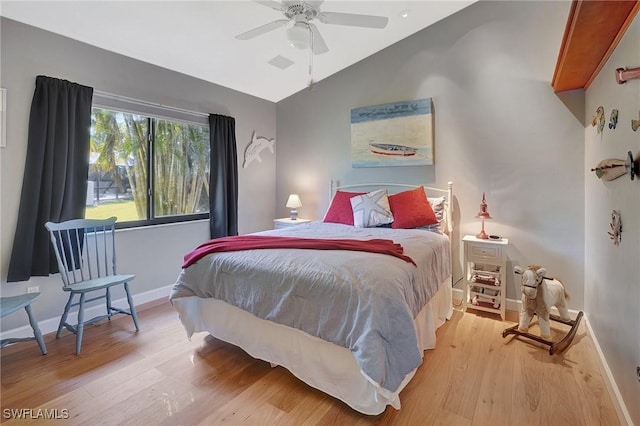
x=485 y=267
x=287 y=222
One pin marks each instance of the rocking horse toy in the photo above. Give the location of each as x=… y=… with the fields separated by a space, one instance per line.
x=539 y=294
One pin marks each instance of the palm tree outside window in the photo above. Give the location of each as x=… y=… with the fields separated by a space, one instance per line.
x=147 y=170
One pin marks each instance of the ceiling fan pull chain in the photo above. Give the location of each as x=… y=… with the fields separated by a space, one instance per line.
x=310 y=59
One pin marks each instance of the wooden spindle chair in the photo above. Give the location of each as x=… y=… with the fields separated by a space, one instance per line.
x=86 y=253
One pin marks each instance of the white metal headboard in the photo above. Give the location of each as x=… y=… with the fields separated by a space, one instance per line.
x=398 y=187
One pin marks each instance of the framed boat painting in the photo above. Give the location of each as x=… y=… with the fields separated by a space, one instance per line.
x=395 y=134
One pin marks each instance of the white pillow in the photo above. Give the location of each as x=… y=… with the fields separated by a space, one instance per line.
x=438 y=205
x=371 y=209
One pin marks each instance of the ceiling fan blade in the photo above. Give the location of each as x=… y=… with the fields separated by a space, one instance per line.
x=269 y=3
x=318 y=44
x=367 y=21
x=262 y=29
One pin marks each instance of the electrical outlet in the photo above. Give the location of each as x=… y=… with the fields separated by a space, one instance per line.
x=34 y=289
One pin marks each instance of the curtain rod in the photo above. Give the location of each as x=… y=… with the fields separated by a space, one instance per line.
x=148 y=104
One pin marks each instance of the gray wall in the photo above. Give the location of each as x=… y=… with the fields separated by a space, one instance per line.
x=154 y=254
x=499 y=128
x=612 y=280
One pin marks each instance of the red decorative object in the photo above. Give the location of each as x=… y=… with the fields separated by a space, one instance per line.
x=483 y=214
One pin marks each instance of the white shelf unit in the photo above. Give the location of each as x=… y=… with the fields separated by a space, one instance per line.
x=485 y=266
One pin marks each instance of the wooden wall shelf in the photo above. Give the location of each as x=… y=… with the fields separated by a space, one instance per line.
x=593 y=31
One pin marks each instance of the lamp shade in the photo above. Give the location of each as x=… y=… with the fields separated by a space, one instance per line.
x=298 y=35
x=294 y=201
x=483 y=213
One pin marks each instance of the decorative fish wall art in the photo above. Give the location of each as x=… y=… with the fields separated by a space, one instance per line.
x=613 y=121
x=255 y=147
x=598 y=119
x=616 y=227
x=635 y=124
x=613 y=168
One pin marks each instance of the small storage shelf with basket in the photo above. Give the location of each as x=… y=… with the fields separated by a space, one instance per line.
x=484 y=273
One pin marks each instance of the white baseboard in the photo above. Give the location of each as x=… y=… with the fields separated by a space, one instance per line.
x=618 y=402
x=51 y=325
x=612 y=387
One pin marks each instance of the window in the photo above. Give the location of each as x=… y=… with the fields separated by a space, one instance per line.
x=146 y=169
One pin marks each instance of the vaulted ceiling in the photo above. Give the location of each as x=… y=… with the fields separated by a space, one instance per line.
x=197 y=38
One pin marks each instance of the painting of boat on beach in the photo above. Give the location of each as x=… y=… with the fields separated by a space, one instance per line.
x=395 y=134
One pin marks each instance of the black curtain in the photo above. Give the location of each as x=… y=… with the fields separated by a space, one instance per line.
x=223 y=177
x=54 y=186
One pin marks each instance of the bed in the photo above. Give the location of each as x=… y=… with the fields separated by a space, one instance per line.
x=351 y=323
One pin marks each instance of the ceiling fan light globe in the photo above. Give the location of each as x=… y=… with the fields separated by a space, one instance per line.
x=298 y=36
x=297 y=45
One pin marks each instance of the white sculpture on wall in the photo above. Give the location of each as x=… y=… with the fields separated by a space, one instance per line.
x=255 y=147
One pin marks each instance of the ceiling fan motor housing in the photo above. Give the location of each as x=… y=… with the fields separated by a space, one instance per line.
x=299 y=10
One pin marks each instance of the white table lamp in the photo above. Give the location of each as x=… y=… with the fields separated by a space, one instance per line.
x=293 y=203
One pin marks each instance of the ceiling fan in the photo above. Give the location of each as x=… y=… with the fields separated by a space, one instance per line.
x=303 y=33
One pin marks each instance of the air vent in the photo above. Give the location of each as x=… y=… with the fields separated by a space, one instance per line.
x=281 y=62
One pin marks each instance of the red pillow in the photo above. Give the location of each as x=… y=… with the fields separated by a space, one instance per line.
x=411 y=209
x=340 y=210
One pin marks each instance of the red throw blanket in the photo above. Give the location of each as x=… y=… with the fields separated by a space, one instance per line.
x=251 y=242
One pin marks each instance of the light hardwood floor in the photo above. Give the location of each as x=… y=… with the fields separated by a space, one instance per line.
x=157 y=376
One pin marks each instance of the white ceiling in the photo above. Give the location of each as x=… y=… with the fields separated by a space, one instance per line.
x=197 y=37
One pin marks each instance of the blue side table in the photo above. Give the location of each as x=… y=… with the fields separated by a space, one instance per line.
x=9 y=305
